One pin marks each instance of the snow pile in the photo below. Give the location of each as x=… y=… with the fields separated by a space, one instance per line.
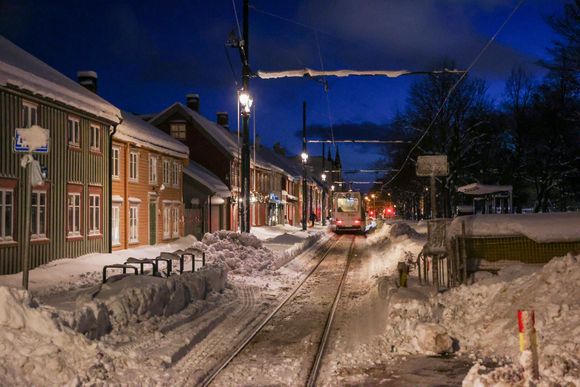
x=482 y=319
x=240 y=253
x=297 y=247
x=36 y=349
x=136 y=298
x=552 y=227
x=391 y=233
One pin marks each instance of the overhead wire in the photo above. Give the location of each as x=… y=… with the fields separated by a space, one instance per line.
x=451 y=90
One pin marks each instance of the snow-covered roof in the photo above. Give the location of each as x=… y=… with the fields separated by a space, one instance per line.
x=22 y=70
x=279 y=162
x=551 y=227
x=133 y=129
x=483 y=189
x=218 y=133
x=207 y=178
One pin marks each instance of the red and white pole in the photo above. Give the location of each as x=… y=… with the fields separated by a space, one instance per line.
x=528 y=343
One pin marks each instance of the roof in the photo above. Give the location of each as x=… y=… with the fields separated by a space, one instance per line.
x=482 y=189
x=280 y=162
x=221 y=136
x=134 y=129
x=22 y=70
x=207 y=179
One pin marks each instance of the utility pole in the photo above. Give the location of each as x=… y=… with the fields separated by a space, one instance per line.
x=323 y=212
x=244 y=49
x=304 y=176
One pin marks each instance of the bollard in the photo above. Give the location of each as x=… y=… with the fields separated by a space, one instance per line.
x=528 y=342
x=403 y=269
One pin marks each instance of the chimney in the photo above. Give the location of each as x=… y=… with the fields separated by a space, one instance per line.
x=223 y=120
x=193 y=102
x=88 y=79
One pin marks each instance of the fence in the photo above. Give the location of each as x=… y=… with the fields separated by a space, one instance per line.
x=446 y=263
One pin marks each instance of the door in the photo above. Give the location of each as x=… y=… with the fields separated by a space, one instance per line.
x=152 y=223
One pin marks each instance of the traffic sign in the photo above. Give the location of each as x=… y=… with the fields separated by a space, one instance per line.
x=36 y=135
x=435 y=165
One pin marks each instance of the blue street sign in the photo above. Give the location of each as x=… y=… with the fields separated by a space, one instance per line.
x=20 y=147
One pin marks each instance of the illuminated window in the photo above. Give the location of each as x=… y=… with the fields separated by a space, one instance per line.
x=74 y=214
x=95 y=143
x=133 y=224
x=116 y=225
x=94 y=214
x=175 y=216
x=178 y=130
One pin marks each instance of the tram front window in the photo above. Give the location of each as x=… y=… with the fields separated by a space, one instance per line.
x=347 y=205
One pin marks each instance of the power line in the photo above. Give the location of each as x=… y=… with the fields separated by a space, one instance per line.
x=236 y=16
x=452 y=89
x=360 y=141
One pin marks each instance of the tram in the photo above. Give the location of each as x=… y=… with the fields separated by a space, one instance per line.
x=348 y=211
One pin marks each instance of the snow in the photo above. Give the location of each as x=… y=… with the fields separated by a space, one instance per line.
x=207 y=178
x=134 y=129
x=542 y=228
x=339 y=73
x=483 y=189
x=34 y=137
x=20 y=69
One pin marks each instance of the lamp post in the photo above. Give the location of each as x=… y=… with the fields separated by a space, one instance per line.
x=323 y=176
x=304 y=157
x=374 y=204
x=245 y=105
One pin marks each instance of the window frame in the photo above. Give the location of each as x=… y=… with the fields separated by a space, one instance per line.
x=4 y=237
x=153 y=168
x=95 y=146
x=116 y=239
x=134 y=166
x=26 y=117
x=36 y=217
x=166 y=172
x=178 y=130
x=95 y=209
x=166 y=222
x=133 y=236
x=116 y=174
x=175 y=223
x=74 y=190
x=75 y=142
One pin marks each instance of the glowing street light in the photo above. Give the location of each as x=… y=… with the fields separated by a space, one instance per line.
x=332 y=187
x=323 y=177
x=245 y=102
x=304 y=157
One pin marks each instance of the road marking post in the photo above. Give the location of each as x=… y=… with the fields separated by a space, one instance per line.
x=528 y=343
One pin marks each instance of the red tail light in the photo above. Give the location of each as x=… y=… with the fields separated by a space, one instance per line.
x=339 y=222
x=357 y=221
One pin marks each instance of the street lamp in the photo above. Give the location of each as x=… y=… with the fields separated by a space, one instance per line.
x=323 y=176
x=245 y=102
x=304 y=157
x=332 y=187
x=324 y=212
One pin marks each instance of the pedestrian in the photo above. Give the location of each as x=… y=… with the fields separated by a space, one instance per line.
x=312 y=218
x=403 y=269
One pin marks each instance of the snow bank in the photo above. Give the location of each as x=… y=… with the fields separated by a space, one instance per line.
x=36 y=349
x=552 y=227
x=389 y=233
x=245 y=254
x=482 y=319
x=136 y=298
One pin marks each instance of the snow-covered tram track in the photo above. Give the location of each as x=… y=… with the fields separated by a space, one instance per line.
x=323 y=278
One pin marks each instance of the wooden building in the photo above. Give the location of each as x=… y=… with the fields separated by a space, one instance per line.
x=147 y=174
x=69 y=212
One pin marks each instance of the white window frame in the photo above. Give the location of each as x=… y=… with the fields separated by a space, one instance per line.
x=152 y=169
x=133 y=166
x=166 y=172
x=178 y=130
x=95 y=138
x=73 y=132
x=38 y=218
x=28 y=118
x=76 y=229
x=166 y=222
x=116 y=160
x=133 y=224
x=116 y=225
x=175 y=218
x=95 y=214
x=174 y=174
x=4 y=237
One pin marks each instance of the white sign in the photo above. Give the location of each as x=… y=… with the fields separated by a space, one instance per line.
x=435 y=165
x=33 y=139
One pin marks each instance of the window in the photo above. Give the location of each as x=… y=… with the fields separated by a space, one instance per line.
x=166 y=222
x=95 y=142
x=166 y=172
x=6 y=212
x=74 y=132
x=38 y=215
x=134 y=166
x=115 y=161
x=94 y=214
x=116 y=223
x=153 y=169
x=175 y=214
x=133 y=224
x=29 y=114
x=178 y=130
x=175 y=174
x=74 y=214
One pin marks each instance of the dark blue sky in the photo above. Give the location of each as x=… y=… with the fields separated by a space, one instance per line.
x=149 y=54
